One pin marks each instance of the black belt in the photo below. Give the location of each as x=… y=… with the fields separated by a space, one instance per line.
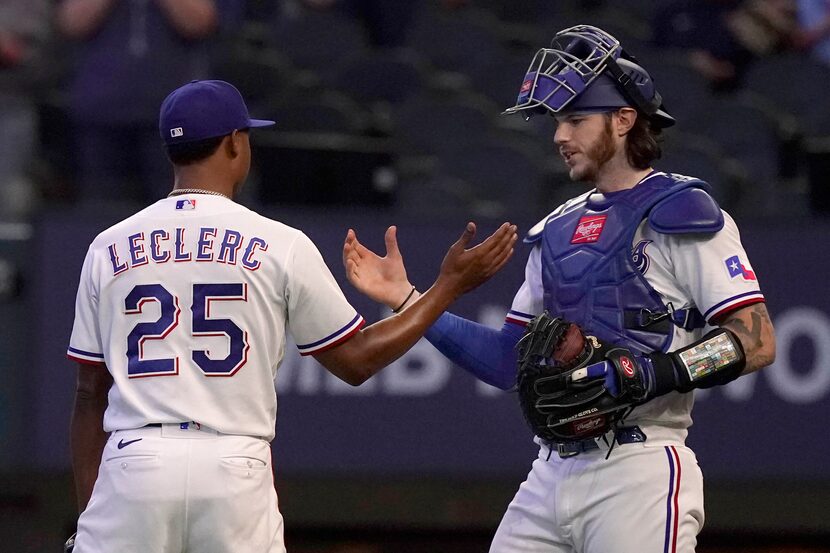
x=153 y=425
x=625 y=435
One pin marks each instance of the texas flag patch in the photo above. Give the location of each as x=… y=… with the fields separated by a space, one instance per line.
x=185 y=205
x=588 y=229
x=737 y=268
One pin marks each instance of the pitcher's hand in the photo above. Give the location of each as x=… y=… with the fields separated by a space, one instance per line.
x=464 y=269
x=381 y=278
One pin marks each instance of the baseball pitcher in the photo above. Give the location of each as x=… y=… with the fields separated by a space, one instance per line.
x=181 y=320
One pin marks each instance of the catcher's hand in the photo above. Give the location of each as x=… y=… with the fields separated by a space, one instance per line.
x=626 y=375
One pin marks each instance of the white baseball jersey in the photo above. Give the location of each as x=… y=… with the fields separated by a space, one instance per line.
x=707 y=271
x=591 y=502
x=188 y=303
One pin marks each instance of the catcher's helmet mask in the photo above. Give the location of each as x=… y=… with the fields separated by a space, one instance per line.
x=587 y=70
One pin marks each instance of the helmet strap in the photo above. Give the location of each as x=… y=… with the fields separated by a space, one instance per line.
x=631 y=92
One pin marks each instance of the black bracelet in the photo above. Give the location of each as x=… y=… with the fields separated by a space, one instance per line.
x=404 y=301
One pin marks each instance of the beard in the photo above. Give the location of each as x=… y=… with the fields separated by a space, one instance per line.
x=596 y=155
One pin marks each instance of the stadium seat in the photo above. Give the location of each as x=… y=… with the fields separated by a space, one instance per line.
x=389 y=76
x=502 y=173
x=319 y=41
x=683 y=89
x=329 y=169
x=743 y=131
x=437 y=196
x=453 y=42
x=697 y=156
x=500 y=79
x=644 y=10
x=521 y=11
x=260 y=75
x=431 y=126
x=318 y=111
x=795 y=84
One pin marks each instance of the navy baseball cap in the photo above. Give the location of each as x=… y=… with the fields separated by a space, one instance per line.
x=204 y=109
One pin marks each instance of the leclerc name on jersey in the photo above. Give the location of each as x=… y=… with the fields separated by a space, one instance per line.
x=161 y=246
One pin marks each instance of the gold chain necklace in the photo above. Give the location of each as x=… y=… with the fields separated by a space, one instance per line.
x=180 y=191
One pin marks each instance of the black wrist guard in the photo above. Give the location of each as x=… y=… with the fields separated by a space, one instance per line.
x=717 y=358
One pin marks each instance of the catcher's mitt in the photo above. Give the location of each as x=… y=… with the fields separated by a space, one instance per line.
x=558 y=405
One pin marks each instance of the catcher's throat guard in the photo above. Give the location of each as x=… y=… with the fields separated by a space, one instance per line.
x=558 y=408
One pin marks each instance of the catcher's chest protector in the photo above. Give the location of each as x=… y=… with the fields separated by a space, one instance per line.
x=589 y=272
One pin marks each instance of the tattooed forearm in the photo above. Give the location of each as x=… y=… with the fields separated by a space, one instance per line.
x=753 y=327
x=749 y=335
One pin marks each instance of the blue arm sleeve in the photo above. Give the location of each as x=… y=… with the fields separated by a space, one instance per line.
x=488 y=354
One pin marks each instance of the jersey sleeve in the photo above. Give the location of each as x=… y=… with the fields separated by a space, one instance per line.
x=716 y=271
x=319 y=316
x=486 y=353
x=527 y=303
x=85 y=343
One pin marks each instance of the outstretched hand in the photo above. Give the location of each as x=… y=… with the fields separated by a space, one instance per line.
x=381 y=278
x=465 y=269
x=384 y=278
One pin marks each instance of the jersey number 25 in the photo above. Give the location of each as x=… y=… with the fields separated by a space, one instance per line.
x=202 y=325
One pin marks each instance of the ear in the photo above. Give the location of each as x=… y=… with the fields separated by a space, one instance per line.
x=234 y=144
x=626 y=117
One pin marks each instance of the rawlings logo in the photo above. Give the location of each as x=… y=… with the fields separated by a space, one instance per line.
x=526 y=86
x=627 y=366
x=588 y=229
x=588 y=425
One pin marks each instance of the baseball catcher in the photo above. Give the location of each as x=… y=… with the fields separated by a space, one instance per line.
x=636 y=292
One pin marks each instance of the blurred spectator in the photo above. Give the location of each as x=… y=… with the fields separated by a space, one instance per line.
x=725 y=36
x=700 y=26
x=764 y=27
x=24 y=31
x=131 y=53
x=814 y=20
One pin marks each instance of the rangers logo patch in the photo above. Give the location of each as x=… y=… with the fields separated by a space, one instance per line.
x=640 y=258
x=736 y=268
x=588 y=229
x=526 y=85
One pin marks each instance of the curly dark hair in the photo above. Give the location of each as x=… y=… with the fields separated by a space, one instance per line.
x=643 y=144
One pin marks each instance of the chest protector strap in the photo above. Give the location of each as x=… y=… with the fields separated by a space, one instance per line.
x=590 y=275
